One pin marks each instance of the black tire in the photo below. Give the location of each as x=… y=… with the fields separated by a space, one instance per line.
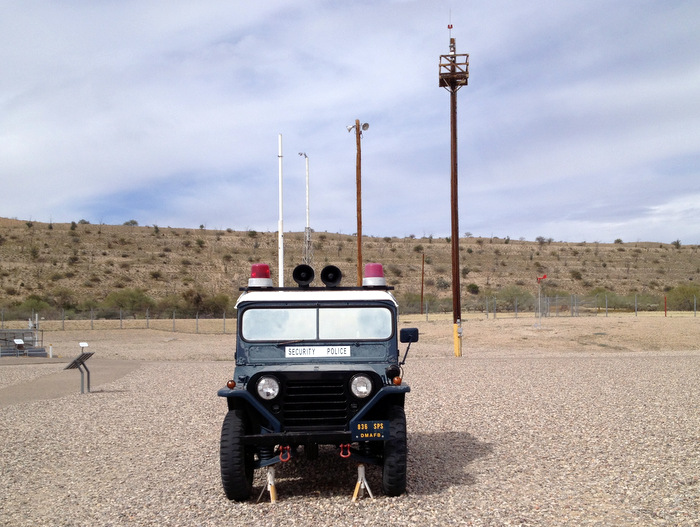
x=395 y=454
x=236 y=459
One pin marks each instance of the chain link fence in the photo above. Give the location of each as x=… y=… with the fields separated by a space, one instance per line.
x=101 y=319
x=222 y=323
x=555 y=306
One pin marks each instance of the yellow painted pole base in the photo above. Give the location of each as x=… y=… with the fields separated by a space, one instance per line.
x=457 y=335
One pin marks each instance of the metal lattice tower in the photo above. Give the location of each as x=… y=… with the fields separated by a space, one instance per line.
x=308 y=248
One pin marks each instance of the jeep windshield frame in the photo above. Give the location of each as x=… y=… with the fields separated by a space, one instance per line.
x=295 y=323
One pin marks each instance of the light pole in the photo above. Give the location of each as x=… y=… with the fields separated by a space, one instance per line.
x=307 y=231
x=358 y=177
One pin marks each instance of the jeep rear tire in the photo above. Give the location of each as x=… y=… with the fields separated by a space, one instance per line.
x=395 y=453
x=236 y=459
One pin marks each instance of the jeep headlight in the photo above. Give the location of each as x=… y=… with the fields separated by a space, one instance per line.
x=361 y=385
x=268 y=387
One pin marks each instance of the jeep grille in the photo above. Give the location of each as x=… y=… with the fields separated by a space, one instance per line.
x=316 y=404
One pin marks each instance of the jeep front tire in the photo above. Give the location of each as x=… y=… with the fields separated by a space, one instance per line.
x=395 y=453
x=236 y=459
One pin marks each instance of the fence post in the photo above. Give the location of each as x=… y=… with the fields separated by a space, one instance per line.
x=148 y=319
x=121 y=319
x=224 y=322
x=606 y=304
x=494 y=309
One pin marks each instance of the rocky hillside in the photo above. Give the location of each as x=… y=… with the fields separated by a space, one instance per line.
x=80 y=265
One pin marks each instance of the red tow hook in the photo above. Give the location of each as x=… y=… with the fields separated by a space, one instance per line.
x=345 y=450
x=285 y=453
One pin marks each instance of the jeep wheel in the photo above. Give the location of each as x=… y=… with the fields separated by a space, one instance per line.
x=236 y=460
x=395 y=452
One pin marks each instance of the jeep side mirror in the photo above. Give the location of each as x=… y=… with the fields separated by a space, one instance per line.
x=409 y=335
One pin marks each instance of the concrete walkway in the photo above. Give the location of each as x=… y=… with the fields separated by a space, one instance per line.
x=63 y=382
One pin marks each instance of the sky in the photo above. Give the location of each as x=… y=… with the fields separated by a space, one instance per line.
x=580 y=122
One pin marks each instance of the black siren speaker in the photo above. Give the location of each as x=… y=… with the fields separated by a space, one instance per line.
x=303 y=275
x=331 y=276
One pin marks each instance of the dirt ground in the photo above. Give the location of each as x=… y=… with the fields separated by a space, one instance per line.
x=120 y=351
x=565 y=421
x=502 y=336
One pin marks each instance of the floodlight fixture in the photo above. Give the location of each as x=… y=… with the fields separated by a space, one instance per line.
x=360 y=128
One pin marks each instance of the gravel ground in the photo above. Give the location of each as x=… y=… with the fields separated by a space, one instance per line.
x=11 y=375
x=574 y=438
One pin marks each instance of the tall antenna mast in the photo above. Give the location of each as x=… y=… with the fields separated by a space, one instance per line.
x=308 y=250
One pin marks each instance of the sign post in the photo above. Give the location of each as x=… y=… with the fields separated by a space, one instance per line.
x=79 y=364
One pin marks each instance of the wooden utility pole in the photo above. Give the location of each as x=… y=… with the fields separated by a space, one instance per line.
x=422 y=281
x=454 y=73
x=358 y=177
x=359 y=128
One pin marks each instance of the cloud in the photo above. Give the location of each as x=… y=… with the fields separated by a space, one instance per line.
x=579 y=119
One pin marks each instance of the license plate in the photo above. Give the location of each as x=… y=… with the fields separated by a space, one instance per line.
x=370 y=431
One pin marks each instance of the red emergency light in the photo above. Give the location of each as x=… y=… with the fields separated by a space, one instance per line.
x=260 y=276
x=374 y=275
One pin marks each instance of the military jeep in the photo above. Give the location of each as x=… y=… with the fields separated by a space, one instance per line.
x=315 y=366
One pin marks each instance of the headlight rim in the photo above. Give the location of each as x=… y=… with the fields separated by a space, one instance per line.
x=358 y=377
x=261 y=394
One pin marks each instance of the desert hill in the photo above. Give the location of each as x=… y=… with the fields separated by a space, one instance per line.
x=77 y=266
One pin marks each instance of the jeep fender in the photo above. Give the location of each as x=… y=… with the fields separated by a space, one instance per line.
x=244 y=400
x=387 y=395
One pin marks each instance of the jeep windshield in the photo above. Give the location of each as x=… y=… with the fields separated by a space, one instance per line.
x=287 y=325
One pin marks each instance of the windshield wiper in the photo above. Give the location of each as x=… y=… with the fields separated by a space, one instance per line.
x=287 y=342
